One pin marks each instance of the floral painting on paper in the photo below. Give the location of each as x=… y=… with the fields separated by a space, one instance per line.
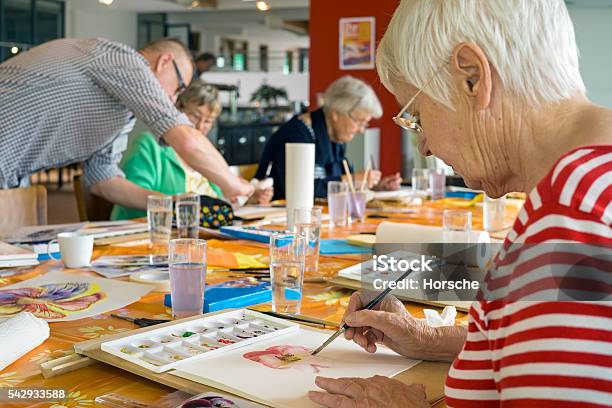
x=52 y=301
x=283 y=357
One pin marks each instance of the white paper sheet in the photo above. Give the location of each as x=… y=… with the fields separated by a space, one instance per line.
x=288 y=386
x=58 y=296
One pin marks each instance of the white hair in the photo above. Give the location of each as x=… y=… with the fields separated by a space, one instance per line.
x=348 y=93
x=530 y=43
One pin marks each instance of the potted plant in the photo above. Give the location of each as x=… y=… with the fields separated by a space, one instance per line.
x=268 y=95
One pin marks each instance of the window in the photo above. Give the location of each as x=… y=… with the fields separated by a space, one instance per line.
x=50 y=21
x=303 y=60
x=264 y=64
x=26 y=23
x=151 y=27
x=288 y=67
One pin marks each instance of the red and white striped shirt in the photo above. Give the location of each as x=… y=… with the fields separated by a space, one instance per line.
x=522 y=348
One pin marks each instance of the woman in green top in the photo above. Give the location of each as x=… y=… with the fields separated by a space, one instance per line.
x=159 y=168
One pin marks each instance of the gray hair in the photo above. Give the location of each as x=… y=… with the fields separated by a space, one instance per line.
x=348 y=93
x=199 y=93
x=530 y=43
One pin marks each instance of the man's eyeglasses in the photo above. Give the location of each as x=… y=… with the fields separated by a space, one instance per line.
x=181 y=83
x=407 y=120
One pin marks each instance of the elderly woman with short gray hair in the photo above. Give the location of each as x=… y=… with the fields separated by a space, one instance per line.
x=349 y=105
x=493 y=88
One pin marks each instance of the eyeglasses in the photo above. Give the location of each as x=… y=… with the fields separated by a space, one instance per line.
x=181 y=82
x=407 y=120
x=361 y=124
x=198 y=118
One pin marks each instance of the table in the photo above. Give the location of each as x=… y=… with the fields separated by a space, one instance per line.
x=84 y=385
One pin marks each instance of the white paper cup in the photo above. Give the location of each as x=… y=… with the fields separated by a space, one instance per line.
x=75 y=248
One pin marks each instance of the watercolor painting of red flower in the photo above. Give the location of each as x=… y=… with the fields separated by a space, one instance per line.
x=282 y=357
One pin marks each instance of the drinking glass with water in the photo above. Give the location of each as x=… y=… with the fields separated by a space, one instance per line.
x=188 y=215
x=159 y=215
x=457 y=226
x=287 y=263
x=337 y=202
x=308 y=223
x=493 y=211
x=420 y=182
x=187 y=261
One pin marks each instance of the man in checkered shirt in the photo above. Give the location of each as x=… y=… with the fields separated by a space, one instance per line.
x=75 y=100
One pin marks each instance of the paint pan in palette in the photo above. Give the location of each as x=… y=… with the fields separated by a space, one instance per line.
x=165 y=348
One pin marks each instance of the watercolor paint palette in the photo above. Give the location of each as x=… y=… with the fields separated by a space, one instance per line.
x=162 y=349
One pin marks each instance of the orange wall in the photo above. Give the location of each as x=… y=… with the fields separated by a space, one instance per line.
x=325 y=65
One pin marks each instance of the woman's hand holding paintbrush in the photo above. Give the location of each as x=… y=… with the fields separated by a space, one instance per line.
x=389 y=323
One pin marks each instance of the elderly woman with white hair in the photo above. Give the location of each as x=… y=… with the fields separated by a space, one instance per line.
x=349 y=105
x=493 y=88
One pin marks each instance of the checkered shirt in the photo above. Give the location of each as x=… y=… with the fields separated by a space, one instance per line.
x=74 y=100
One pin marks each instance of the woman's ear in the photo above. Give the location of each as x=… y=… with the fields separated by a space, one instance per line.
x=471 y=65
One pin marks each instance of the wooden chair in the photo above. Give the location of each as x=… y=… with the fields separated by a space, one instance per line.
x=21 y=207
x=90 y=206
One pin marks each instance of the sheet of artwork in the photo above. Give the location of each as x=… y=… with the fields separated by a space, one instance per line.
x=280 y=371
x=58 y=296
x=124 y=265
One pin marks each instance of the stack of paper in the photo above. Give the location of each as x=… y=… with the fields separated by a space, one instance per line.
x=11 y=256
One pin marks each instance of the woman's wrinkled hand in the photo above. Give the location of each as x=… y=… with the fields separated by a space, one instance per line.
x=389 y=323
x=377 y=391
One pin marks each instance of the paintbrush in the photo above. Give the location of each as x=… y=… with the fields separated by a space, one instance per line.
x=299 y=318
x=364 y=182
x=369 y=306
x=349 y=176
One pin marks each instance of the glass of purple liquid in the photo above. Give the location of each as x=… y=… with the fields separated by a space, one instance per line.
x=357 y=205
x=437 y=184
x=337 y=203
x=187 y=261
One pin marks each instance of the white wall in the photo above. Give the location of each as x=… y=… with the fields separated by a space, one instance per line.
x=594 y=35
x=295 y=84
x=88 y=18
x=243 y=25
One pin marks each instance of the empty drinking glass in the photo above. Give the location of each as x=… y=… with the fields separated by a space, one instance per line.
x=188 y=215
x=308 y=223
x=457 y=225
x=287 y=262
x=337 y=202
x=187 y=261
x=493 y=211
x=437 y=184
x=159 y=215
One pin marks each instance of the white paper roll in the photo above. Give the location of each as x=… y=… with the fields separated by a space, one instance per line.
x=424 y=235
x=19 y=335
x=299 y=177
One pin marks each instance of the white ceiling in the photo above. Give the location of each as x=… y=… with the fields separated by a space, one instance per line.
x=152 y=6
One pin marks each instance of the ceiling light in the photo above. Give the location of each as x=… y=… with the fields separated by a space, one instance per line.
x=262 y=6
x=14 y=50
x=106 y=2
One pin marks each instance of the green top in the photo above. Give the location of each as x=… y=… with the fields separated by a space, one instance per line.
x=153 y=167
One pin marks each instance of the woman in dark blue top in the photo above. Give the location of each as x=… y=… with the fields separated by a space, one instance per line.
x=349 y=105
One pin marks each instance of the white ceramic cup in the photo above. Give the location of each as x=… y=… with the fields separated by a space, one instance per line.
x=75 y=248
